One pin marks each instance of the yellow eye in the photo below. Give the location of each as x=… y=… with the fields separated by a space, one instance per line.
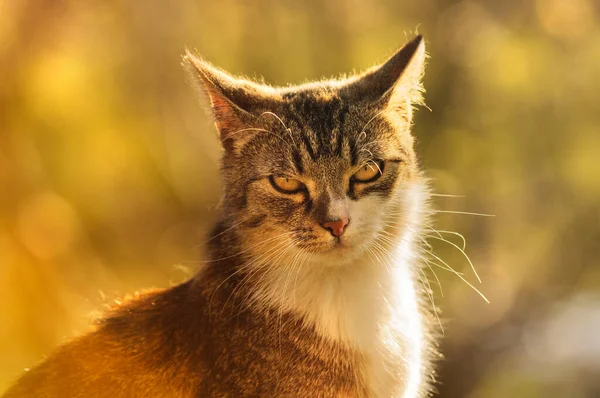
x=369 y=172
x=286 y=185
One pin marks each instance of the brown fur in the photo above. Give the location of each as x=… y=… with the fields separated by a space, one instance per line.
x=174 y=343
x=210 y=336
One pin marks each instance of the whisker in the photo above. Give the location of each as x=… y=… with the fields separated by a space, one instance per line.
x=463 y=212
x=424 y=280
x=464 y=241
x=289 y=131
x=243 y=251
x=450 y=269
x=289 y=274
x=243 y=268
x=264 y=131
x=222 y=232
x=460 y=250
x=300 y=264
x=429 y=291
x=370 y=120
x=446 y=195
x=268 y=261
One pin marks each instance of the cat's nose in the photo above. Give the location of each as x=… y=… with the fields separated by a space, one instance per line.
x=336 y=227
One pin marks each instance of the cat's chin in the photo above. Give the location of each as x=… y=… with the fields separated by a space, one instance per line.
x=342 y=251
x=337 y=254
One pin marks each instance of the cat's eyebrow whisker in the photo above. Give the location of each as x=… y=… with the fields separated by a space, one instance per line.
x=264 y=131
x=369 y=152
x=363 y=133
x=370 y=120
x=287 y=129
x=373 y=142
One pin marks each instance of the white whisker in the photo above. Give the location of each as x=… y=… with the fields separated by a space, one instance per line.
x=464 y=212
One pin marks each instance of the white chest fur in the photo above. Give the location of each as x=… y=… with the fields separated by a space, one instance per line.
x=371 y=306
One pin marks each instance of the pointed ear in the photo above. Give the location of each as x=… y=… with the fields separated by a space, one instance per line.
x=235 y=103
x=395 y=84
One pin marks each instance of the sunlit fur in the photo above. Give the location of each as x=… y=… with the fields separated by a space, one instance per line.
x=365 y=293
x=282 y=307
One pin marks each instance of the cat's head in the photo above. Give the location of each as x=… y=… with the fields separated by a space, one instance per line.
x=320 y=171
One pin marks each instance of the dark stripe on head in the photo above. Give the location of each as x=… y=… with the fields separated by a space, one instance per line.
x=352 y=149
x=309 y=148
x=340 y=129
x=300 y=123
x=339 y=143
x=314 y=120
x=327 y=112
x=297 y=159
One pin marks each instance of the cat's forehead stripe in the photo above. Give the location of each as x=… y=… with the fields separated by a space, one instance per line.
x=297 y=159
x=319 y=122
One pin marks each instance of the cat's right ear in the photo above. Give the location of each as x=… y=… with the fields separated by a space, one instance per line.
x=235 y=103
x=394 y=85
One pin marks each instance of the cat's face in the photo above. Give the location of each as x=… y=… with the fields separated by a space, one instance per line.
x=319 y=172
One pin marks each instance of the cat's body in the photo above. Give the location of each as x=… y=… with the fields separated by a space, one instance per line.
x=310 y=285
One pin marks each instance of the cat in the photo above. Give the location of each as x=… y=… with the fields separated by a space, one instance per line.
x=310 y=286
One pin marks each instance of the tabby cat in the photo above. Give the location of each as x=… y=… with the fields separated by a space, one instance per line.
x=310 y=286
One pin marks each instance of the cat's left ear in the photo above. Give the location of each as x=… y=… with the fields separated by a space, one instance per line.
x=394 y=85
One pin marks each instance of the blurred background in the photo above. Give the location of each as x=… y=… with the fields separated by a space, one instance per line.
x=109 y=167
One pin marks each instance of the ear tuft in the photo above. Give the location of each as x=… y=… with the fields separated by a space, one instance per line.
x=213 y=86
x=395 y=84
x=234 y=102
x=409 y=84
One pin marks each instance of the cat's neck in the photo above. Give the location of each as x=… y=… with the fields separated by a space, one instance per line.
x=349 y=302
x=371 y=305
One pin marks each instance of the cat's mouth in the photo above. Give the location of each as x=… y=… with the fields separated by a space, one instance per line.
x=338 y=246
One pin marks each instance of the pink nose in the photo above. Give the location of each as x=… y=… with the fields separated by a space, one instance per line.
x=336 y=227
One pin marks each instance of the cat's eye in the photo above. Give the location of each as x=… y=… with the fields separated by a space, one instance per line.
x=371 y=171
x=286 y=185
